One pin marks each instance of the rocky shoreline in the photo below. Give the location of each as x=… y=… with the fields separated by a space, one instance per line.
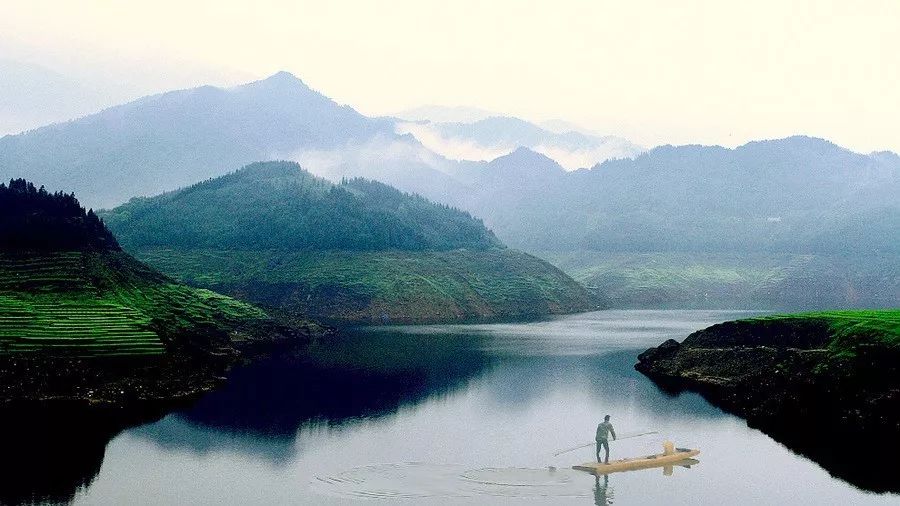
x=839 y=406
x=180 y=375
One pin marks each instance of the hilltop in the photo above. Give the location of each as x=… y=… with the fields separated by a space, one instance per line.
x=35 y=219
x=275 y=235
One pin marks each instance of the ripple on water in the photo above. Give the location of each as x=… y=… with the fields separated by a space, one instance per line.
x=418 y=480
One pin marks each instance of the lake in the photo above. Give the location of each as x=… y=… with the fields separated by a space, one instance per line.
x=457 y=414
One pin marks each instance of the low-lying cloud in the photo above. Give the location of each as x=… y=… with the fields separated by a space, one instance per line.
x=452 y=148
x=465 y=148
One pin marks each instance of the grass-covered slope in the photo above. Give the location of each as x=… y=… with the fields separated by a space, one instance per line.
x=105 y=303
x=273 y=234
x=382 y=286
x=846 y=331
x=66 y=289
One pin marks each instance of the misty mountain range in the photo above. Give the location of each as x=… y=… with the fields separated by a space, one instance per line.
x=170 y=140
x=796 y=195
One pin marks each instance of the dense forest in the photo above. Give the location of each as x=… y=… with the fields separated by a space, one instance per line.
x=34 y=219
x=278 y=205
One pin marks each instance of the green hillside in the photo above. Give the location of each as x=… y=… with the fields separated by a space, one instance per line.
x=93 y=303
x=67 y=289
x=279 y=205
x=381 y=287
x=361 y=251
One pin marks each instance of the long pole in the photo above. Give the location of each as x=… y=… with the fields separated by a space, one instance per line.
x=592 y=442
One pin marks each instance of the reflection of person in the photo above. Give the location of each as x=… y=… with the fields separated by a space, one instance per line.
x=600 y=497
x=603 y=431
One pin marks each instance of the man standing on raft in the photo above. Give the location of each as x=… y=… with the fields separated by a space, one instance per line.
x=603 y=430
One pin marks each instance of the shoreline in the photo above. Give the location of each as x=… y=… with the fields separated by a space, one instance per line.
x=785 y=377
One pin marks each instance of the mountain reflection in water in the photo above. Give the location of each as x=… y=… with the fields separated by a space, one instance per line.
x=351 y=378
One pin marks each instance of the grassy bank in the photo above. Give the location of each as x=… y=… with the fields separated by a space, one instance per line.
x=379 y=287
x=847 y=330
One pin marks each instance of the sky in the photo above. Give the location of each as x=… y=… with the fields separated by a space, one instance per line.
x=655 y=72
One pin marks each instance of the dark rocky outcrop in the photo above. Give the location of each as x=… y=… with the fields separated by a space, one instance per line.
x=787 y=377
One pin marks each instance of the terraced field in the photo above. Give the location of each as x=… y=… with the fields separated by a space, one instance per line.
x=82 y=328
x=101 y=304
x=42 y=273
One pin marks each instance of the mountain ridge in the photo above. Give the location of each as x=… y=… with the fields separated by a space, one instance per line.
x=164 y=141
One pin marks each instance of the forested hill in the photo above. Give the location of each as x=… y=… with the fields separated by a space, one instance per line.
x=278 y=205
x=67 y=289
x=32 y=218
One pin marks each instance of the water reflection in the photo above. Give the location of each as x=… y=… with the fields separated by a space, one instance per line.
x=467 y=414
x=51 y=452
x=603 y=495
x=264 y=406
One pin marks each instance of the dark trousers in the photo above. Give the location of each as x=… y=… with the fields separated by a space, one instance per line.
x=602 y=443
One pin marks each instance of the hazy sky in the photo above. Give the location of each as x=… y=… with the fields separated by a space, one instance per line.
x=655 y=72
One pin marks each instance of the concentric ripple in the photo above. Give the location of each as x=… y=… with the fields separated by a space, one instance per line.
x=417 y=480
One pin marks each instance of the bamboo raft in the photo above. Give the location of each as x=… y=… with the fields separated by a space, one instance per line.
x=671 y=456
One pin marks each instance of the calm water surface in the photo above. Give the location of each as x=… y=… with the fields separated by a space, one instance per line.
x=463 y=414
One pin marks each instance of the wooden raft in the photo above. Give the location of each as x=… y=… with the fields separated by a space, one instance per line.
x=670 y=457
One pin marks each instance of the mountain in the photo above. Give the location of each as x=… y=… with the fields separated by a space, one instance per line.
x=275 y=235
x=798 y=194
x=529 y=168
x=753 y=279
x=170 y=140
x=74 y=307
x=490 y=137
x=174 y=139
x=796 y=223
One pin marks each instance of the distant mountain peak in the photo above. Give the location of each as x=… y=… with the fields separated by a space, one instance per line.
x=283 y=76
x=524 y=162
x=523 y=154
x=282 y=80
